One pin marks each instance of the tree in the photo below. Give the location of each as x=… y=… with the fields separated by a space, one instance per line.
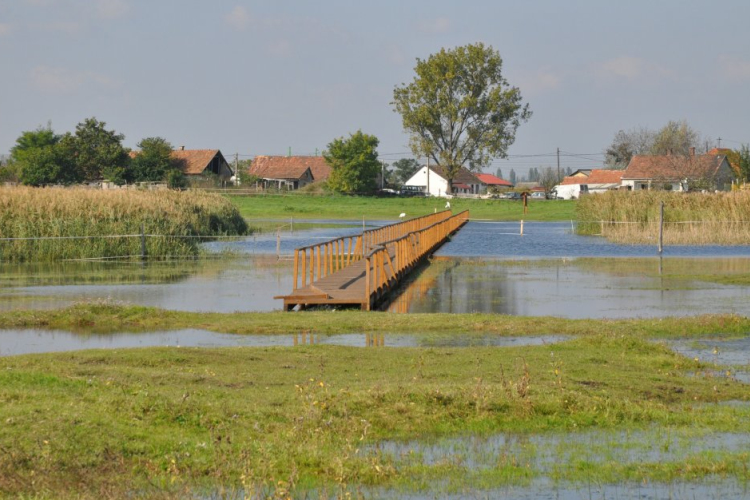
x=548 y=179
x=626 y=144
x=459 y=110
x=99 y=152
x=30 y=141
x=512 y=177
x=675 y=138
x=154 y=160
x=744 y=163
x=405 y=168
x=499 y=173
x=354 y=163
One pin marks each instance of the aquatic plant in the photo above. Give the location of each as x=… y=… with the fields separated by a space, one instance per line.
x=46 y=224
x=689 y=218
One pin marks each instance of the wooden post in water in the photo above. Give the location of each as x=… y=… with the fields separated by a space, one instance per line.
x=278 y=243
x=521 y=227
x=661 y=228
x=143 y=241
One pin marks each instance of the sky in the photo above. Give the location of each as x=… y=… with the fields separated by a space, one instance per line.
x=267 y=77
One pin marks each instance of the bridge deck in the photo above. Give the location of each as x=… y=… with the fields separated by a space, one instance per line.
x=342 y=274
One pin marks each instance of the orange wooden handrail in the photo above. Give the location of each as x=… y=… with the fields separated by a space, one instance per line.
x=407 y=250
x=314 y=262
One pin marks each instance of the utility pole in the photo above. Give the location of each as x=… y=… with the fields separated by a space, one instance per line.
x=428 y=175
x=719 y=139
x=236 y=165
x=558 y=165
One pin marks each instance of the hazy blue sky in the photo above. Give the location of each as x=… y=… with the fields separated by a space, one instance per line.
x=257 y=77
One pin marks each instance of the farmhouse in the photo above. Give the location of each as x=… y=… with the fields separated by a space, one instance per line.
x=195 y=162
x=491 y=181
x=588 y=181
x=678 y=172
x=436 y=184
x=290 y=172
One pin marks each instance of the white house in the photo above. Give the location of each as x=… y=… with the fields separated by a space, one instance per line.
x=588 y=181
x=436 y=183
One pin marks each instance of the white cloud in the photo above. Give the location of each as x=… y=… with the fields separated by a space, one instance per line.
x=537 y=82
x=734 y=68
x=111 y=9
x=65 y=81
x=239 y=18
x=434 y=26
x=633 y=69
x=5 y=29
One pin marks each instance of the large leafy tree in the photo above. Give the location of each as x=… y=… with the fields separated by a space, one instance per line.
x=41 y=157
x=99 y=152
x=354 y=163
x=154 y=160
x=459 y=110
x=675 y=138
x=743 y=163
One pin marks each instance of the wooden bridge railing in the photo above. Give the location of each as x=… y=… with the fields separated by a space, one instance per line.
x=322 y=259
x=314 y=262
x=388 y=262
x=378 y=236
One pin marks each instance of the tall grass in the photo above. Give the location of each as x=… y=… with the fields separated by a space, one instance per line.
x=87 y=223
x=689 y=218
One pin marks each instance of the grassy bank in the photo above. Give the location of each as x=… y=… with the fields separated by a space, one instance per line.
x=174 y=223
x=279 y=422
x=301 y=206
x=689 y=218
x=106 y=317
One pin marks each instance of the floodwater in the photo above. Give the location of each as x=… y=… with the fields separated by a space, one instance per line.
x=28 y=341
x=732 y=355
x=486 y=267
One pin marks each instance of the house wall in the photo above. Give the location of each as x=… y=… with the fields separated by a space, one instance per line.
x=568 y=191
x=438 y=185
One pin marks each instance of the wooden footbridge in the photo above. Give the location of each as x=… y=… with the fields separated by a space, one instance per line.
x=361 y=270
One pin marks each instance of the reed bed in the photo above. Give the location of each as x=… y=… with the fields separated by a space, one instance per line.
x=689 y=218
x=48 y=224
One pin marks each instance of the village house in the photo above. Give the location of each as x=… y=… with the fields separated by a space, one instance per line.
x=678 y=172
x=198 y=162
x=587 y=181
x=290 y=172
x=436 y=184
x=492 y=182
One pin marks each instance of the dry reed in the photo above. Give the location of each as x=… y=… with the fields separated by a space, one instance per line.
x=689 y=218
x=78 y=223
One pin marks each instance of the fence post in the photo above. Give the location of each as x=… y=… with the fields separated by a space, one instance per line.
x=143 y=241
x=521 y=227
x=661 y=228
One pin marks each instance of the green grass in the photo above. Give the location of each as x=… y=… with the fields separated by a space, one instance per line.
x=104 y=317
x=277 y=422
x=301 y=206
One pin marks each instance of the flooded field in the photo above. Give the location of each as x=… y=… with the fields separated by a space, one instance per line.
x=546 y=272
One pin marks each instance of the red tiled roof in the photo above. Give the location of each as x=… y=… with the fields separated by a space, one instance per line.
x=603 y=176
x=492 y=180
x=671 y=167
x=290 y=167
x=194 y=161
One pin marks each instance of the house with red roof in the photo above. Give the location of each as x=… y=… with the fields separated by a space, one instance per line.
x=588 y=181
x=491 y=181
x=195 y=162
x=290 y=172
x=678 y=172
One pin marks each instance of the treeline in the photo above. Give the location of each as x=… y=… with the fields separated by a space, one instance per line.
x=92 y=153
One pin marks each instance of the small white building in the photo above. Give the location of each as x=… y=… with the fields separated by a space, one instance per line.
x=436 y=183
x=588 y=181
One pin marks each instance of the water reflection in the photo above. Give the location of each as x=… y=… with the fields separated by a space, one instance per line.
x=30 y=341
x=579 y=288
